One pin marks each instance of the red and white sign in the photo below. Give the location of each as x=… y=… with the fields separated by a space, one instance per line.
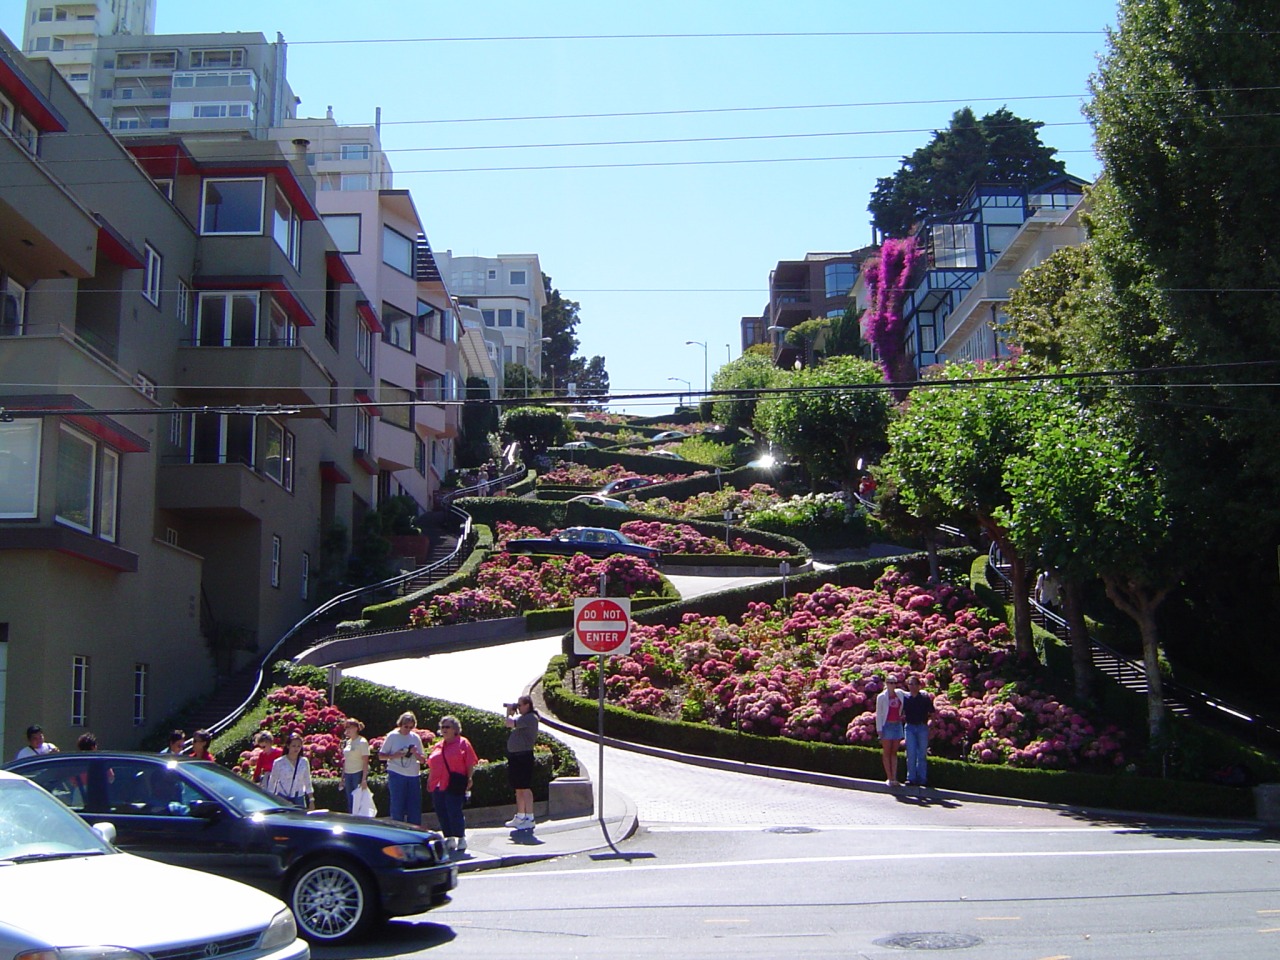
x=601 y=625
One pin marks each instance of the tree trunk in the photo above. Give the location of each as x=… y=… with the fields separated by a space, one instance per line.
x=1141 y=603
x=1081 y=645
x=1022 y=639
x=935 y=571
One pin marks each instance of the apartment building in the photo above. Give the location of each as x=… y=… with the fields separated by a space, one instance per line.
x=799 y=290
x=411 y=316
x=67 y=34
x=508 y=291
x=972 y=259
x=185 y=411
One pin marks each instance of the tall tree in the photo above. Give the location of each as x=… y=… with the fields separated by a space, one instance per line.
x=1000 y=146
x=559 y=323
x=589 y=377
x=740 y=378
x=836 y=417
x=479 y=420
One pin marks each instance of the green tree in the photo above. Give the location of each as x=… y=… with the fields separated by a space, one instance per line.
x=519 y=382
x=947 y=456
x=479 y=421
x=535 y=428
x=589 y=377
x=1053 y=308
x=836 y=416
x=740 y=379
x=559 y=322
x=1000 y=147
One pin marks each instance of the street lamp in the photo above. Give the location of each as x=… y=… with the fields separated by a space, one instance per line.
x=688 y=386
x=702 y=344
x=553 y=366
x=728 y=354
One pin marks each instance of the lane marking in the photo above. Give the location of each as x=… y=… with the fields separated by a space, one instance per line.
x=483 y=875
x=1269 y=911
x=1061 y=956
x=997 y=918
x=905 y=828
x=725 y=920
x=1270 y=930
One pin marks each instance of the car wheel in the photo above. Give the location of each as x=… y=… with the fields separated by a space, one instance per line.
x=331 y=900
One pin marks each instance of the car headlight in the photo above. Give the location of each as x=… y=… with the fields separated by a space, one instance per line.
x=410 y=853
x=281 y=932
x=83 y=953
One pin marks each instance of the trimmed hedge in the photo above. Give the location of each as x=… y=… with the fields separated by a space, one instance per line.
x=523 y=486
x=550 y=513
x=395 y=613
x=638 y=462
x=1121 y=792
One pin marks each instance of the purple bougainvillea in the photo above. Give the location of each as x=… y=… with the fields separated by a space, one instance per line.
x=887 y=275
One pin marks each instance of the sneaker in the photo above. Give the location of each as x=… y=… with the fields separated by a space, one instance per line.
x=461 y=845
x=450 y=844
x=528 y=823
x=516 y=822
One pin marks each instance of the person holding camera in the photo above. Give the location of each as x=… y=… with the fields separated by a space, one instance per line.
x=401 y=750
x=522 y=720
x=449 y=767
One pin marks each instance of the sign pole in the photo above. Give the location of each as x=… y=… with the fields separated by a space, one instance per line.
x=604 y=589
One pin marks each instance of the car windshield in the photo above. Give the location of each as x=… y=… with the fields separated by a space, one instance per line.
x=34 y=826
x=235 y=791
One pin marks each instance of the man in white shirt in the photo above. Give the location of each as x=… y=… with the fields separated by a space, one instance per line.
x=36 y=744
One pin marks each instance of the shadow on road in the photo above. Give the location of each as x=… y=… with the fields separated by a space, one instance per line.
x=1224 y=831
x=395 y=938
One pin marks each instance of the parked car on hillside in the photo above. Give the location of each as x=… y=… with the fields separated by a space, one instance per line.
x=624 y=483
x=598 y=501
x=70 y=893
x=593 y=541
x=667 y=454
x=670 y=435
x=337 y=872
x=579 y=445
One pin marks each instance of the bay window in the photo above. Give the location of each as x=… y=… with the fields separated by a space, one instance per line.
x=19 y=469
x=77 y=475
x=286 y=227
x=232 y=206
x=227 y=319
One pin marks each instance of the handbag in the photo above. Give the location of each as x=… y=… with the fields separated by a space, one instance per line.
x=364 y=805
x=457 y=781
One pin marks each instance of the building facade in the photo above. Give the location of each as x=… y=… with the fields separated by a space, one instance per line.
x=185 y=406
x=817 y=286
x=68 y=34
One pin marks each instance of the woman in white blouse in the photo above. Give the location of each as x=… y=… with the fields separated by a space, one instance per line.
x=291 y=775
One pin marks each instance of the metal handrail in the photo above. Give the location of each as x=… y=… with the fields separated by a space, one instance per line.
x=464 y=540
x=1260 y=727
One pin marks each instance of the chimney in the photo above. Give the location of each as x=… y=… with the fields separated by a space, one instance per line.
x=328 y=114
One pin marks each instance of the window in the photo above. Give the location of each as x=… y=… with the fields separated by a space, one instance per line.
x=521 y=357
x=78 y=77
x=275 y=452
x=430 y=385
x=364 y=426
x=518 y=278
x=504 y=318
x=488 y=317
x=332 y=303
x=397 y=251
x=397 y=327
x=128 y=123
x=282 y=332
x=175 y=427
x=419 y=456
x=429 y=321
x=953 y=245
x=184 y=303
x=364 y=346
x=840 y=278
x=213 y=59
x=232 y=207
x=355 y=151
x=210 y=111
x=109 y=496
x=27 y=135
x=141 y=674
x=126 y=93
x=151 y=278
x=13 y=307
x=165 y=187
x=79 y=691
x=286 y=228
x=19 y=469
x=6 y=114
x=396 y=405
x=222 y=438
x=519 y=318
x=42 y=43
x=306 y=575
x=46 y=15
x=145 y=385
x=344 y=228
x=354 y=181
x=77 y=460
x=493 y=274
x=275 y=561
x=227 y=319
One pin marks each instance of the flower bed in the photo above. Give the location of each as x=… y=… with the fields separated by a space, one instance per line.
x=580 y=475
x=684 y=539
x=711 y=503
x=507 y=586
x=812 y=672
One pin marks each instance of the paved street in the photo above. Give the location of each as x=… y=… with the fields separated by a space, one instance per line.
x=728 y=864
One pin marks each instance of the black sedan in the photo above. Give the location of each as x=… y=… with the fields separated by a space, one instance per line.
x=336 y=872
x=593 y=541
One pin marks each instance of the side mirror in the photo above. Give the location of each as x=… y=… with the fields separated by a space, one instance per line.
x=205 y=810
x=107 y=831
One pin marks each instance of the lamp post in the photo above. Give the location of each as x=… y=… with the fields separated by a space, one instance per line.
x=703 y=345
x=545 y=340
x=728 y=354
x=688 y=386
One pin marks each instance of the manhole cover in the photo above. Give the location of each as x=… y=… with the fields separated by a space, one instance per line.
x=791 y=830
x=929 y=941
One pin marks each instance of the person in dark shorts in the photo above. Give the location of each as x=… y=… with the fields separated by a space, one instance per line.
x=522 y=720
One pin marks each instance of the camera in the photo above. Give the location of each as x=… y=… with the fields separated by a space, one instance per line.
x=510 y=707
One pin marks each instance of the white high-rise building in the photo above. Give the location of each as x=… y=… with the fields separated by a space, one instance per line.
x=67 y=34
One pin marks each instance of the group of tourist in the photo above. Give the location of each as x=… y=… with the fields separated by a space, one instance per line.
x=904 y=716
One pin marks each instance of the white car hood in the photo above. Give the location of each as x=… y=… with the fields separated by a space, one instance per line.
x=123 y=900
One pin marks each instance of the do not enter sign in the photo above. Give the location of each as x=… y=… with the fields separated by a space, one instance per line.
x=601 y=625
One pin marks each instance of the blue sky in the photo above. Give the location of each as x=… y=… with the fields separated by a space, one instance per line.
x=658 y=255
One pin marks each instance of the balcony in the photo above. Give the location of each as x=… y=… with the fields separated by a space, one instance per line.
x=291 y=376
x=216 y=490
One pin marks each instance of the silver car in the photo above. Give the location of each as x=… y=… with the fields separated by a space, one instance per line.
x=74 y=896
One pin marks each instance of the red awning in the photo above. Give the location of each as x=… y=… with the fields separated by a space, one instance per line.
x=81 y=415
x=370 y=316
x=277 y=286
x=286 y=180
x=115 y=247
x=26 y=96
x=331 y=473
x=366 y=401
x=337 y=267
